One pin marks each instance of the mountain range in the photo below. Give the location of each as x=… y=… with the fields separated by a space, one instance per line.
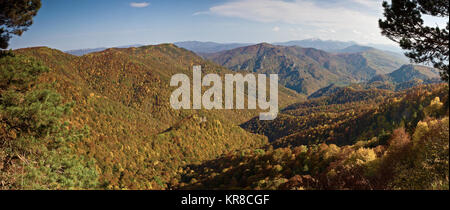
x=81 y=52
x=213 y=47
x=137 y=139
x=323 y=63
x=407 y=76
x=208 y=47
x=325 y=45
x=306 y=70
x=408 y=73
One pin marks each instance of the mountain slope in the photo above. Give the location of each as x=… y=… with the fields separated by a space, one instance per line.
x=136 y=138
x=123 y=132
x=338 y=46
x=407 y=76
x=383 y=62
x=408 y=73
x=347 y=116
x=304 y=70
x=208 y=47
x=81 y=52
x=354 y=49
x=325 y=45
x=371 y=140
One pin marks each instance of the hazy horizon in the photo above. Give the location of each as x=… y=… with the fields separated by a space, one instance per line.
x=386 y=47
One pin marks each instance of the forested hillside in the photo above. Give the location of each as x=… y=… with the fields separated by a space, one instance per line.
x=306 y=70
x=121 y=96
x=103 y=121
x=408 y=73
x=343 y=117
x=406 y=77
x=385 y=141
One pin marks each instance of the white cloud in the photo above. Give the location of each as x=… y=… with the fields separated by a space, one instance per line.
x=289 y=12
x=369 y=3
x=357 y=32
x=139 y=4
x=276 y=29
x=202 y=13
x=344 y=18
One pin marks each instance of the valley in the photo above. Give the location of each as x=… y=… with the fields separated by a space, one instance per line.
x=306 y=70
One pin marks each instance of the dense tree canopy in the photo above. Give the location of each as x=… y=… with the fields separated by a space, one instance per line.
x=15 y=18
x=36 y=146
x=405 y=25
x=124 y=135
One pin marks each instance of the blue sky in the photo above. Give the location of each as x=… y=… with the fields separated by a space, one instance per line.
x=77 y=24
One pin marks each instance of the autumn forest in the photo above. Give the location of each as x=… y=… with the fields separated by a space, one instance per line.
x=351 y=118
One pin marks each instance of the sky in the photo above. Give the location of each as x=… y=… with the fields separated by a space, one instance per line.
x=81 y=24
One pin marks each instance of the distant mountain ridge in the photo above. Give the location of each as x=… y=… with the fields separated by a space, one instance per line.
x=306 y=70
x=355 y=49
x=407 y=73
x=380 y=59
x=325 y=45
x=208 y=47
x=351 y=62
x=213 y=47
x=384 y=61
x=81 y=52
x=338 y=46
x=407 y=76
